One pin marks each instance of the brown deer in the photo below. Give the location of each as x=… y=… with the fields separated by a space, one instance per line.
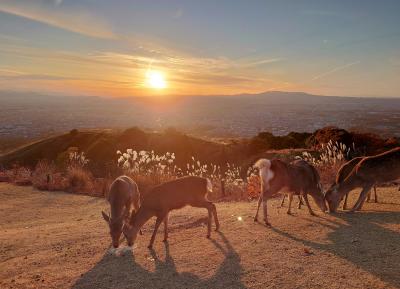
x=341 y=175
x=299 y=177
x=378 y=169
x=123 y=193
x=172 y=195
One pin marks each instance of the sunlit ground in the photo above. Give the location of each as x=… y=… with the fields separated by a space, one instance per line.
x=61 y=241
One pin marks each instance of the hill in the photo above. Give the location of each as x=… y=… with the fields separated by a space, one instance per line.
x=100 y=146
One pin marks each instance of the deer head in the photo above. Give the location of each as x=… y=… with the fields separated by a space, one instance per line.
x=332 y=198
x=319 y=197
x=116 y=226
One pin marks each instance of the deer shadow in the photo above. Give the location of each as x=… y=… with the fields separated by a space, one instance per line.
x=363 y=240
x=125 y=272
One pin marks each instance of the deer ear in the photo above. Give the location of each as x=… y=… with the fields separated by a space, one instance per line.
x=106 y=217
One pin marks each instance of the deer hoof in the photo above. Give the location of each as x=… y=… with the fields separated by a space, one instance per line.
x=208 y=236
x=165 y=241
x=150 y=246
x=255 y=220
x=289 y=213
x=267 y=224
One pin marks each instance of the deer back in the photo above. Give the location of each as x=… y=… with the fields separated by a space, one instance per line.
x=122 y=191
x=381 y=168
x=346 y=169
x=176 y=194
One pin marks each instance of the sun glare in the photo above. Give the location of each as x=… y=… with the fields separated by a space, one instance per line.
x=155 y=79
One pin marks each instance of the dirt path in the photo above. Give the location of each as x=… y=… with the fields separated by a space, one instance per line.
x=59 y=240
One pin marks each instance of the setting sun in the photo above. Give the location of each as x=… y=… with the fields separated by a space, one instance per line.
x=155 y=79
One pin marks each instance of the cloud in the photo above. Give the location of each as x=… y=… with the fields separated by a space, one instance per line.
x=334 y=70
x=78 y=21
x=262 y=62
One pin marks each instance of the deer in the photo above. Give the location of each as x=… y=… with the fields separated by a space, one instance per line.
x=171 y=195
x=299 y=177
x=123 y=194
x=381 y=168
x=341 y=175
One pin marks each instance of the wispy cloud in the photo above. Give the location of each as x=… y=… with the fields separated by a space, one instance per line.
x=54 y=14
x=334 y=70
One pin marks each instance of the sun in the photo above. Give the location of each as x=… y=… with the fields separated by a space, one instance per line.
x=155 y=79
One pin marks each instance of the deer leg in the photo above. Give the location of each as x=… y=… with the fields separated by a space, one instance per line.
x=369 y=197
x=135 y=209
x=300 y=202
x=265 y=209
x=376 y=196
x=214 y=211
x=290 y=204
x=361 y=198
x=283 y=200
x=157 y=225
x=308 y=205
x=258 y=208
x=166 y=228
x=345 y=201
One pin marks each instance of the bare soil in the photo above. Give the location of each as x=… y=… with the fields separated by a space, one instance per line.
x=59 y=240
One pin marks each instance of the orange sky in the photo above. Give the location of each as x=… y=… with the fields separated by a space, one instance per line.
x=106 y=48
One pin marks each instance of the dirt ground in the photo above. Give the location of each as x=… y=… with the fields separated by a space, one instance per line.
x=59 y=240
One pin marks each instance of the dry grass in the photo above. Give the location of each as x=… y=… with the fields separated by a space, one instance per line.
x=59 y=240
x=328 y=173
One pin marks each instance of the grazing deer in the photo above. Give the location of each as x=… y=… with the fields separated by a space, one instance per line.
x=343 y=172
x=123 y=193
x=299 y=177
x=378 y=169
x=168 y=196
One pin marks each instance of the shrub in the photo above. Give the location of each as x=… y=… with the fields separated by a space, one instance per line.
x=43 y=174
x=77 y=159
x=325 y=135
x=73 y=132
x=267 y=141
x=79 y=180
x=330 y=158
x=20 y=176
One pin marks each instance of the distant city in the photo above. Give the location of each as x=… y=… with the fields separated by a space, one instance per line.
x=32 y=115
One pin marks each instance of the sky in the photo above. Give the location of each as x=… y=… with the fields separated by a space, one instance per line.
x=127 y=48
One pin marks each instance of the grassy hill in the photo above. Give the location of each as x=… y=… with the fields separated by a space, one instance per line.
x=100 y=147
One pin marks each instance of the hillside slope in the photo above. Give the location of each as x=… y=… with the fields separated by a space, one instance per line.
x=100 y=147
